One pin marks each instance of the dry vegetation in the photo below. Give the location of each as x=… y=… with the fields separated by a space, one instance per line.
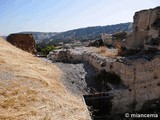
x=30 y=89
x=104 y=51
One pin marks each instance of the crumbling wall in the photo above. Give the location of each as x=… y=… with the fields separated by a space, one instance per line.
x=140 y=73
x=25 y=42
x=146 y=29
x=141 y=77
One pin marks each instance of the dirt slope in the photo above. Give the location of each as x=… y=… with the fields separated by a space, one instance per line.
x=30 y=89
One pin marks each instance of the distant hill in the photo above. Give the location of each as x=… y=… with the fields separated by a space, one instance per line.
x=81 y=34
x=89 y=33
x=39 y=36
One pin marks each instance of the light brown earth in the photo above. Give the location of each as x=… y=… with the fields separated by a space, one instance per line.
x=30 y=89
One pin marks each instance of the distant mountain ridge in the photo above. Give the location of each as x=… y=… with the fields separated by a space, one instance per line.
x=81 y=34
x=89 y=33
x=40 y=36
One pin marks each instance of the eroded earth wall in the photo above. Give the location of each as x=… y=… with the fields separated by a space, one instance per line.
x=25 y=42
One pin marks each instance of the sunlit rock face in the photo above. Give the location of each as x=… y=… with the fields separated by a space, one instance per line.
x=146 y=30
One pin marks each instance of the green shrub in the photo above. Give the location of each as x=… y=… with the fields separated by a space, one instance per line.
x=45 y=49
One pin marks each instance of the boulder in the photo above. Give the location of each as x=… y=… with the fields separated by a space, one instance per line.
x=25 y=42
x=107 y=39
x=146 y=30
x=96 y=43
x=58 y=55
x=119 y=36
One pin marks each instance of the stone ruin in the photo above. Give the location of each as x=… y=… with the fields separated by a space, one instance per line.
x=108 y=39
x=25 y=42
x=138 y=85
x=145 y=35
x=146 y=31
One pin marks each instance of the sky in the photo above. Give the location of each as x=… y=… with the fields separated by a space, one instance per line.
x=63 y=15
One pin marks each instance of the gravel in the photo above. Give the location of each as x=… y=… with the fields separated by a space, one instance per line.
x=77 y=77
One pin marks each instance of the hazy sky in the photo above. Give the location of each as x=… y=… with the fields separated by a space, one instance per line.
x=62 y=15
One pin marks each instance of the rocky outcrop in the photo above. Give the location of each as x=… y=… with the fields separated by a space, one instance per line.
x=107 y=39
x=146 y=30
x=25 y=42
x=119 y=36
x=139 y=75
x=96 y=43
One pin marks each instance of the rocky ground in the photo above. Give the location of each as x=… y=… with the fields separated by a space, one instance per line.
x=77 y=77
